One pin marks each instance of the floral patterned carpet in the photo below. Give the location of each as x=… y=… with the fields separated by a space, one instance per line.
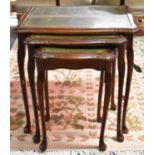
x=73 y=100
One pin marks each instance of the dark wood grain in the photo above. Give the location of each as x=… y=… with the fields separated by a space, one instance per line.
x=40 y=89
x=20 y=59
x=46 y=97
x=121 y=72
x=108 y=81
x=113 y=105
x=57 y=2
x=99 y=119
x=31 y=68
x=130 y=58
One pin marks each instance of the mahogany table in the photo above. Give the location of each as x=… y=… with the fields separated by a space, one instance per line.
x=75 y=20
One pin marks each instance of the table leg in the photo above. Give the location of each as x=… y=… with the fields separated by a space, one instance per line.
x=137 y=68
x=20 y=59
x=99 y=119
x=40 y=89
x=57 y=2
x=47 y=97
x=113 y=106
x=108 y=81
x=31 y=68
x=93 y=2
x=121 y=72
x=130 y=58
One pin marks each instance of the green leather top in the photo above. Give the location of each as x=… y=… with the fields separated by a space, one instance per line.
x=82 y=17
x=74 y=53
x=72 y=50
x=48 y=37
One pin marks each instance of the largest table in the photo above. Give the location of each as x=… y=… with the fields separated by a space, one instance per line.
x=76 y=20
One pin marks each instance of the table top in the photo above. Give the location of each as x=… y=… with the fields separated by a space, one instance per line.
x=77 y=19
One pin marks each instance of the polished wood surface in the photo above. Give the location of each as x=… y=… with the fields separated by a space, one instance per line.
x=31 y=68
x=20 y=59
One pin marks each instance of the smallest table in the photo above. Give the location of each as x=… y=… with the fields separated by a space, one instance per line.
x=50 y=58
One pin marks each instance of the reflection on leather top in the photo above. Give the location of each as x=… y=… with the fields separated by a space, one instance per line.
x=78 y=16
